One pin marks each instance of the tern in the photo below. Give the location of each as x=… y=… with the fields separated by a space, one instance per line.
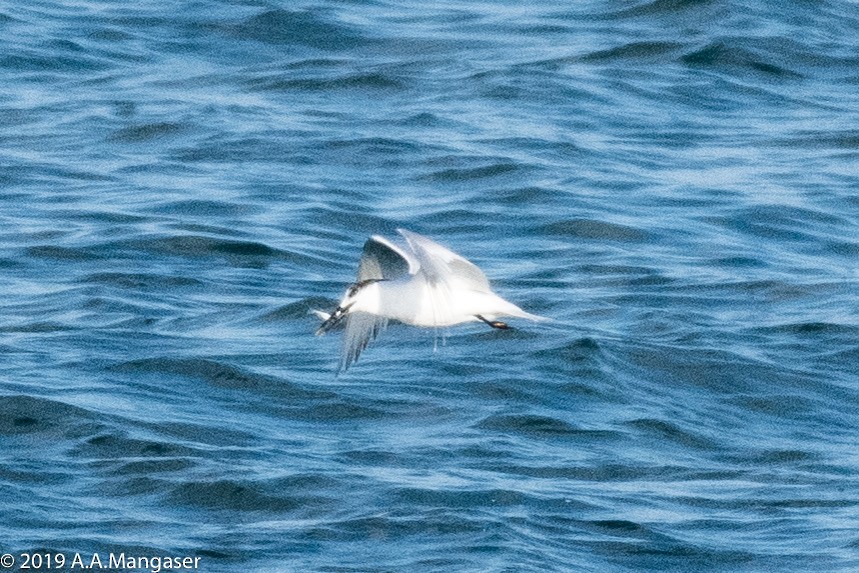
x=424 y=284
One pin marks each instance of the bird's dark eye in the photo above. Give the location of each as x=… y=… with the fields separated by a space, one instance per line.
x=353 y=290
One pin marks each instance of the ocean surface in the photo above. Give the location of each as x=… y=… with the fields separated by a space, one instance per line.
x=675 y=183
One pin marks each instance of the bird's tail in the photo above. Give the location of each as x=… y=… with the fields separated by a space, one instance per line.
x=523 y=314
x=510 y=309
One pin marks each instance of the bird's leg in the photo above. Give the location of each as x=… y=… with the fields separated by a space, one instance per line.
x=494 y=323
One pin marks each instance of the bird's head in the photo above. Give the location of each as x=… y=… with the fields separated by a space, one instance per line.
x=352 y=300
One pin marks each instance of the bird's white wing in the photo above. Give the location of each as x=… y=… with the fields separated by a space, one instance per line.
x=440 y=264
x=381 y=259
x=361 y=328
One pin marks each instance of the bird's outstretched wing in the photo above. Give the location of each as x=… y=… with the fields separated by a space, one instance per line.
x=440 y=264
x=361 y=328
x=382 y=259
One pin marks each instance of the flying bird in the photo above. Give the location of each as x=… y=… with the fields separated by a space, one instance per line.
x=423 y=284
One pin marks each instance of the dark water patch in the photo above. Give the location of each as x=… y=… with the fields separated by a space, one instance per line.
x=730 y=55
x=671 y=554
x=190 y=228
x=205 y=433
x=780 y=457
x=737 y=262
x=49 y=174
x=841 y=248
x=543 y=148
x=110 y=34
x=604 y=472
x=34 y=476
x=221 y=375
x=207 y=208
x=309 y=482
x=378 y=151
x=636 y=51
x=146 y=132
x=781 y=405
x=845 y=360
x=658 y=8
x=595 y=230
x=375 y=145
x=792 y=215
x=31 y=415
x=38 y=327
x=808 y=503
x=236 y=252
x=314 y=29
x=316 y=63
x=11 y=264
x=497 y=169
x=619 y=530
x=204 y=246
x=137 y=483
x=57 y=253
x=373 y=457
x=778 y=290
x=581 y=368
x=663 y=431
x=649 y=279
x=229 y=150
x=117 y=446
x=814 y=329
x=26 y=61
x=155 y=465
x=583 y=349
x=122 y=312
x=539 y=426
x=847 y=139
x=96 y=214
x=426 y=120
x=394 y=526
x=716 y=370
x=141 y=281
x=458 y=498
x=236 y=496
x=327 y=83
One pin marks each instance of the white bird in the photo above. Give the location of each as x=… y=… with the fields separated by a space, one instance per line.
x=426 y=285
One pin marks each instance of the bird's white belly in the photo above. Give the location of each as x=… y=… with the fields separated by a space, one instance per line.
x=423 y=304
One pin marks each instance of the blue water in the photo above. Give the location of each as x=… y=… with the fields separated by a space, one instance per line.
x=674 y=182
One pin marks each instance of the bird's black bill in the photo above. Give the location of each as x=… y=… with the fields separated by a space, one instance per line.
x=332 y=320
